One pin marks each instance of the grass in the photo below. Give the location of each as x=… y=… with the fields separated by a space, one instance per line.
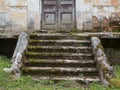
x=26 y=82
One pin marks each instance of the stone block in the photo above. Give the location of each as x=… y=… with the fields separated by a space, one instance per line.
x=15 y=3
x=18 y=20
x=113 y=55
x=5 y=24
x=114 y=21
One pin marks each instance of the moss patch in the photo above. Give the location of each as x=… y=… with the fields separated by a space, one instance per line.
x=115 y=82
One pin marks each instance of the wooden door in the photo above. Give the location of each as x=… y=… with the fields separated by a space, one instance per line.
x=49 y=14
x=66 y=16
x=58 y=14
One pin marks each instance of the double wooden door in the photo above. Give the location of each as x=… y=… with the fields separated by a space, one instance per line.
x=58 y=14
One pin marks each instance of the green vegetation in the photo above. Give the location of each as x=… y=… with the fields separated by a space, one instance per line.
x=26 y=82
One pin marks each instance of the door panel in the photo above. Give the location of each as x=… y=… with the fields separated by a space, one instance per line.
x=49 y=2
x=49 y=14
x=66 y=14
x=66 y=18
x=58 y=14
x=66 y=2
x=50 y=19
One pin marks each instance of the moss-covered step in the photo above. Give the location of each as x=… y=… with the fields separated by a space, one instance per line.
x=59 y=31
x=60 y=63
x=68 y=69
x=59 y=42
x=58 y=55
x=62 y=49
x=59 y=71
x=60 y=74
x=70 y=78
x=59 y=36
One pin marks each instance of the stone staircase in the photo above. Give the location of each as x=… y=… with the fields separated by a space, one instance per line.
x=60 y=56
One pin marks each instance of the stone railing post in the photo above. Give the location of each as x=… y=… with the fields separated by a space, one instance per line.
x=17 y=58
x=106 y=72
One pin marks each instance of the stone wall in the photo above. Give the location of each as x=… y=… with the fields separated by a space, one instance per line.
x=113 y=55
x=112 y=49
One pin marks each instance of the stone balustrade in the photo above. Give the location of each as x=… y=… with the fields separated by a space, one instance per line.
x=106 y=72
x=17 y=58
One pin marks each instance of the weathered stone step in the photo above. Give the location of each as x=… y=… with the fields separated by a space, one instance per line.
x=70 y=78
x=60 y=71
x=59 y=36
x=41 y=31
x=54 y=73
x=58 y=55
x=58 y=31
x=59 y=42
x=60 y=63
x=82 y=49
x=85 y=69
